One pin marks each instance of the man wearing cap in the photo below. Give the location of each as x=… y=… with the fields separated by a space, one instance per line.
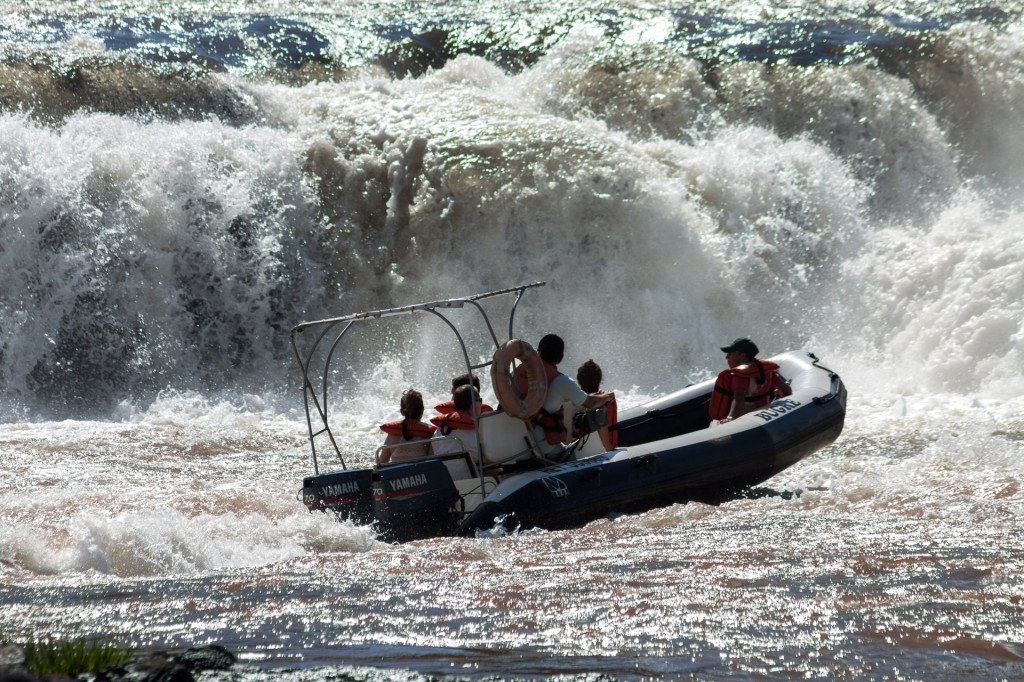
x=749 y=384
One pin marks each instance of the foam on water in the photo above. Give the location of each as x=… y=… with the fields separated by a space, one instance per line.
x=167 y=542
x=949 y=296
x=154 y=254
x=185 y=487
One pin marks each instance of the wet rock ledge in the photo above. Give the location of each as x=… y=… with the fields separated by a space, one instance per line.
x=157 y=666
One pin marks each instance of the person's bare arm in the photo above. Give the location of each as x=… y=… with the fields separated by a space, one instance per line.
x=385 y=454
x=599 y=399
x=739 y=403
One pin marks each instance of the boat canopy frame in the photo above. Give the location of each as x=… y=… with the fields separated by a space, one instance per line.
x=315 y=399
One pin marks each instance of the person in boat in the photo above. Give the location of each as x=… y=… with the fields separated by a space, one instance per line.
x=408 y=428
x=459 y=423
x=549 y=423
x=461 y=380
x=589 y=376
x=748 y=384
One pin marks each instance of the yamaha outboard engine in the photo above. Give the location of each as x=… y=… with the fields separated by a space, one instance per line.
x=414 y=500
x=348 y=494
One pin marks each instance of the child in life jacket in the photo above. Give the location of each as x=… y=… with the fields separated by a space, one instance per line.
x=588 y=376
x=459 y=423
x=409 y=428
x=461 y=380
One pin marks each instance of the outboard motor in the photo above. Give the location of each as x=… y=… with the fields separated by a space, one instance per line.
x=414 y=500
x=349 y=494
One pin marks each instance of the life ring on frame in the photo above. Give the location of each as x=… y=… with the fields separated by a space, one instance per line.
x=504 y=383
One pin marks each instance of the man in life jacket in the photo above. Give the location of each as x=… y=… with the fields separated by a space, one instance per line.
x=749 y=384
x=549 y=423
x=409 y=428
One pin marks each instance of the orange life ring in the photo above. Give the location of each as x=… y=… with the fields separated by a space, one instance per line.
x=505 y=385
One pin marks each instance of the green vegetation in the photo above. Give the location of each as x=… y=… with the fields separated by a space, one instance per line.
x=72 y=657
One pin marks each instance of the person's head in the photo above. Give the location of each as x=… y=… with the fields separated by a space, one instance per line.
x=588 y=376
x=740 y=351
x=412 y=404
x=551 y=349
x=463 y=397
x=463 y=380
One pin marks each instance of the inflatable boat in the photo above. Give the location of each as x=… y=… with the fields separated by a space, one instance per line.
x=668 y=450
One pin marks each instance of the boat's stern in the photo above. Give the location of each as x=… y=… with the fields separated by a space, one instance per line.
x=349 y=494
x=415 y=500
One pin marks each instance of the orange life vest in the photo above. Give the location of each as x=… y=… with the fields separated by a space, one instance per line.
x=760 y=373
x=613 y=423
x=453 y=420
x=552 y=422
x=448 y=407
x=409 y=429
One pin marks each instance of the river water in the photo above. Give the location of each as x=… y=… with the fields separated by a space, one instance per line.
x=181 y=183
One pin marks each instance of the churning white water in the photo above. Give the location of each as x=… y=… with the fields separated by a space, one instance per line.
x=853 y=188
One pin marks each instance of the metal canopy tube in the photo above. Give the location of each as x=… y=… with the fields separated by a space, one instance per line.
x=327 y=362
x=487 y=321
x=418 y=307
x=512 y=313
x=309 y=393
x=469 y=372
x=305 y=401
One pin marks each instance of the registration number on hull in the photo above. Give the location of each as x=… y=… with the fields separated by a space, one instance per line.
x=778 y=408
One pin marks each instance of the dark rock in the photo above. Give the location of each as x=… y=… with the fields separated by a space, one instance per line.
x=15 y=673
x=175 y=673
x=56 y=677
x=162 y=666
x=11 y=655
x=151 y=667
x=212 y=657
x=12 y=664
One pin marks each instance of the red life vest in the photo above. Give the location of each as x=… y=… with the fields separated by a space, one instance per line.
x=449 y=406
x=409 y=429
x=613 y=423
x=552 y=422
x=762 y=376
x=453 y=420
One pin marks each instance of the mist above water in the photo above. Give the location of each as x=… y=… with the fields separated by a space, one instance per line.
x=859 y=205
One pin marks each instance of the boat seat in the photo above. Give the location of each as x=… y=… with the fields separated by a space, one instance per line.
x=459 y=465
x=590 y=446
x=473 y=493
x=505 y=439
